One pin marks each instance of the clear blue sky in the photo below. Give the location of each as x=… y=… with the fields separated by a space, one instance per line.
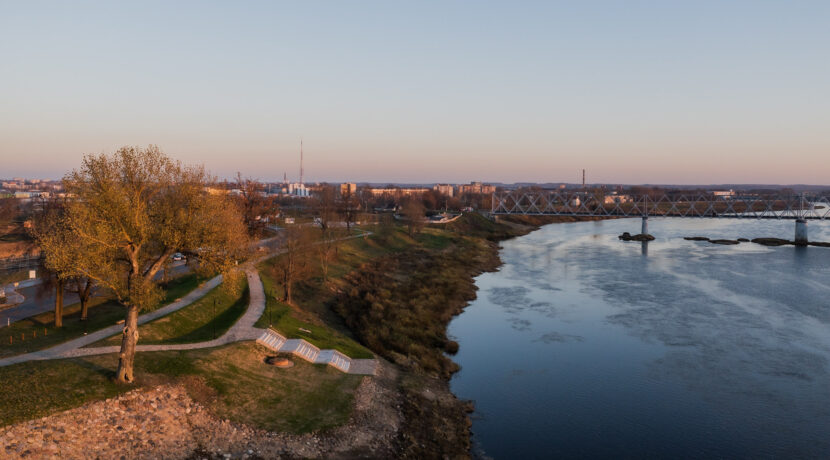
x=633 y=91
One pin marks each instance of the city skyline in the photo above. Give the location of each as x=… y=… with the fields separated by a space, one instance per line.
x=704 y=93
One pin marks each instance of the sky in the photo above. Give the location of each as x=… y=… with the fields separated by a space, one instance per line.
x=683 y=92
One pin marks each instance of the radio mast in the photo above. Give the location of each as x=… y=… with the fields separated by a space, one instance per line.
x=301 y=161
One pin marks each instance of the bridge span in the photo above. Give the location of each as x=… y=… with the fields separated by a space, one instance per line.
x=800 y=208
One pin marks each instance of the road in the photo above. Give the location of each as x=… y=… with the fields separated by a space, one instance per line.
x=36 y=304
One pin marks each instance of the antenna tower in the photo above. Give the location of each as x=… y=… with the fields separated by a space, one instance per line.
x=301 y=161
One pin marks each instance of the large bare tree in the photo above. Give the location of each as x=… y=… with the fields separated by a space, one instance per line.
x=9 y=209
x=294 y=264
x=325 y=206
x=255 y=204
x=414 y=213
x=135 y=208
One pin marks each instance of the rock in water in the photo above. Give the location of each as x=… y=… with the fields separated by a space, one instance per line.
x=640 y=237
x=771 y=241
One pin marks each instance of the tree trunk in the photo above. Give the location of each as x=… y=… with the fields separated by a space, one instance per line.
x=129 y=338
x=84 y=308
x=59 y=304
x=83 y=296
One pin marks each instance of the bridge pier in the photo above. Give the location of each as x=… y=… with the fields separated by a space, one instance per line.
x=800 y=232
x=645 y=226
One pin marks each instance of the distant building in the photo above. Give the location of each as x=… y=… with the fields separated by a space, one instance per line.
x=348 y=188
x=476 y=187
x=445 y=189
x=398 y=191
x=31 y=194
x=723 y=193
x=298 y=189
x=617 y=199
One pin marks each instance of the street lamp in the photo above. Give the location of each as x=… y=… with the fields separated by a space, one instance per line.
x=270 y=322
x=214 y=318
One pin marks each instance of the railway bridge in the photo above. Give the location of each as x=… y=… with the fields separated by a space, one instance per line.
x=799 y=208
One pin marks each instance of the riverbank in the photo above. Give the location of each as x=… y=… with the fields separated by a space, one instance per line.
x=400 y=306
x=406 y=411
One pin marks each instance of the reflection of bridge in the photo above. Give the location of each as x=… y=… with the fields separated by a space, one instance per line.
x=560 y=203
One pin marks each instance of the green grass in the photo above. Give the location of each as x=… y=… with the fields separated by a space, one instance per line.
x=193 y=323
x=47 y=387
x=38 y=332
x=178 y=287
x=231 y=381
x=285 y=321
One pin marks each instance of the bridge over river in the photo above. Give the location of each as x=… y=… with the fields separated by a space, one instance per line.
x=800 y=208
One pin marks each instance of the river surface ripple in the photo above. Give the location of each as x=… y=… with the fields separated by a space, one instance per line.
x=585 y=346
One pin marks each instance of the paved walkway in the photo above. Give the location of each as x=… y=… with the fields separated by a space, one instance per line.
x=63 y=350
x=242 y=330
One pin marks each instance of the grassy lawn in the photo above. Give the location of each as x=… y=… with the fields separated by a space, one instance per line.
x=38 y=332
x=180 y=286
x=193 y=323
x=232 y=381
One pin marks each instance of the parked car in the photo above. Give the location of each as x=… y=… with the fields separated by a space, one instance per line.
x=178 y=256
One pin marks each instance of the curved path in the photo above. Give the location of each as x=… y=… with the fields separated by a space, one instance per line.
x=242 y=330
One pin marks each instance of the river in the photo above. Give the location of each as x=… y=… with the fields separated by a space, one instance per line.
x=582 y=345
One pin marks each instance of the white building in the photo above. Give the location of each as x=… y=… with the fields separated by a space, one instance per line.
x=298 y=189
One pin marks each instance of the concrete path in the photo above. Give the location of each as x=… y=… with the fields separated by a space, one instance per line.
x=242 y=330
x=63 y=350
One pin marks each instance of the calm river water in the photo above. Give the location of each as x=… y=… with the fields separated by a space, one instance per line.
x=582 y=345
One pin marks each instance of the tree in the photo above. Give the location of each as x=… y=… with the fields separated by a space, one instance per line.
x=414 y=213
x=254 y=204
x=348 y=208
x=325 y=206
x=9 y=209
x=59 y=247
x=327 y=249
x=293 y=265
x=131 y=211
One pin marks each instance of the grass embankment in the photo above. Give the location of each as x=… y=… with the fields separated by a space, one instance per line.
x=400 y=305
x=394 y=292
x=311 y=310
x=231 y=381
x=206 y=319
x=38 y=332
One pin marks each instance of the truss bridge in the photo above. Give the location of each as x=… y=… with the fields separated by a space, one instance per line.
x=800 y=208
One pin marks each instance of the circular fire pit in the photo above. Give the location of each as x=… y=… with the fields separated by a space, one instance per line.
x=282 y=363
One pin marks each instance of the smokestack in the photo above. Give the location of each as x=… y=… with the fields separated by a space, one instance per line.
x=583 y=178
x=301 y=161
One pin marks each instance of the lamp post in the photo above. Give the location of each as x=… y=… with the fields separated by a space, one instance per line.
x=214 y=318
x=270 y=323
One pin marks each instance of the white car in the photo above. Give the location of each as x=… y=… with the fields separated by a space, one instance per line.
x=178 y=256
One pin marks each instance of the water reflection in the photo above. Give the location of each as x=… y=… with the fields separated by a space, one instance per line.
x=681 y=349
